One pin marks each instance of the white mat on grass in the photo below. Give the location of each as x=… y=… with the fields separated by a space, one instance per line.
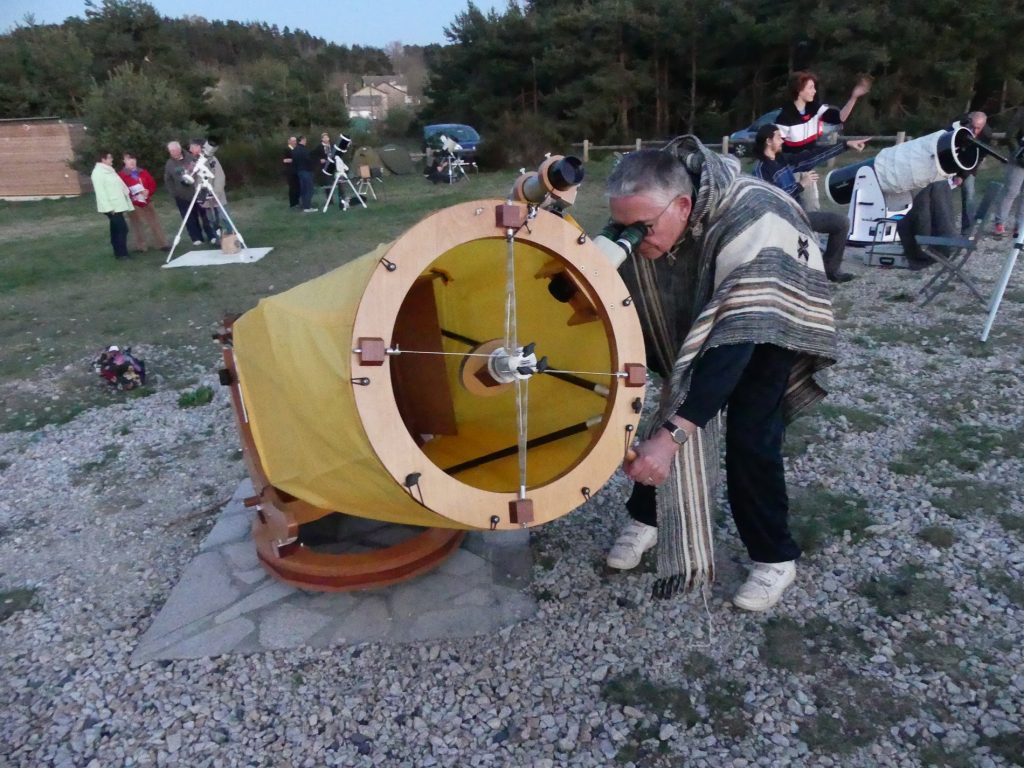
x=216 y=258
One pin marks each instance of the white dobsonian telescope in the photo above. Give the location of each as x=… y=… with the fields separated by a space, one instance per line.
x=883 y=187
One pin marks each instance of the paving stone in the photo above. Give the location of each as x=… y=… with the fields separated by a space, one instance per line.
x=462 y=563
x=434 y=590
x=287 y=626
x=451 y=622
x=478 y=596
x=241 y=555
x=370 y=620
x=221 y=638
x=266 y=595
x=204 y=589
x=228 y=528
x=251 y=576
x=335 y=604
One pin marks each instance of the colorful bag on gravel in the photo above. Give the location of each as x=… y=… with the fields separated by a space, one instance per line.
x=120 y=368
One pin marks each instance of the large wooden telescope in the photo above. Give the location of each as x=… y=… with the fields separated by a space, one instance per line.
x=435 y=382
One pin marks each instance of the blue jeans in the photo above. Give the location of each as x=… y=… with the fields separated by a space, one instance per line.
x=192 y=222
x=306 y=189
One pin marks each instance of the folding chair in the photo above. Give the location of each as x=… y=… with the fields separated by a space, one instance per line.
x=961 y=248
x=365 y=183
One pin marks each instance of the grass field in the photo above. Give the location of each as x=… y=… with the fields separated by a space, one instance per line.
x=63 y=296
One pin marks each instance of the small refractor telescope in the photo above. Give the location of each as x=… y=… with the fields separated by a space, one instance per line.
x=557 y=177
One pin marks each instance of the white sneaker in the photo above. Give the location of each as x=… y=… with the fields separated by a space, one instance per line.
x=765 y=585
x=635 y=539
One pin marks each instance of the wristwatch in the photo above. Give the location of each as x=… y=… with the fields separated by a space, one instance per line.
x=679 y=435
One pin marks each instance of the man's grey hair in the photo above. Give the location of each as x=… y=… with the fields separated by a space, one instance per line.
x=173 y=145
x=649 y=172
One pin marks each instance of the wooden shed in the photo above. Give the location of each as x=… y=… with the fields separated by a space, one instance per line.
x=36 y=156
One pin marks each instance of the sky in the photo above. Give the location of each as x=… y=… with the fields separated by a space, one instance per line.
x=346 y=22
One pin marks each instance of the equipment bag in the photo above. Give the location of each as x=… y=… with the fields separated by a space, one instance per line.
x=120 y=368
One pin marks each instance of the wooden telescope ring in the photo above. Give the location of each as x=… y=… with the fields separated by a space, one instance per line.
x=384 y=390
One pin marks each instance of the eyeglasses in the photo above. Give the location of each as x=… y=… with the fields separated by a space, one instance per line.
x=649 y=225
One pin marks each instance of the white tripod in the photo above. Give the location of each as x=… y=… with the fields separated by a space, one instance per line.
x=1000 y=289
x=341 y=174
x=203 y=176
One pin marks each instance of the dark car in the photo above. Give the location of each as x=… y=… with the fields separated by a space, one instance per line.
x=465 y=135
x=742 y=142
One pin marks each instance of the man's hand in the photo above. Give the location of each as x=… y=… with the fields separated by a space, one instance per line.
x=858 y=144
x=652 y=461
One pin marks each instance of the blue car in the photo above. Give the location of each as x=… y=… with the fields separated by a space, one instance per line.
x=465 y=135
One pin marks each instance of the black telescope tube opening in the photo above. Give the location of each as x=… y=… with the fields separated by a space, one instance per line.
x=566 y=173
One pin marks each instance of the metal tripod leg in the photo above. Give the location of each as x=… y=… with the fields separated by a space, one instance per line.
x=330 y=195
x=355 y=192
x=184 y=222
x=1004 y=280
x=223 y=209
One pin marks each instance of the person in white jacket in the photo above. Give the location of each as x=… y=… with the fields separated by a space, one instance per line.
x=112 y=200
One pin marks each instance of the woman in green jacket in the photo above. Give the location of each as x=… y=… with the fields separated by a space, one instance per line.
x=112 y=199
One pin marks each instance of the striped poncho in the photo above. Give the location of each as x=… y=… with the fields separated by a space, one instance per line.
x=748 y=270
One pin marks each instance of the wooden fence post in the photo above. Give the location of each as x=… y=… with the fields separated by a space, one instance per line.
x=725 y=145
x=586 y=150
x=901 y=136
x=639 y=144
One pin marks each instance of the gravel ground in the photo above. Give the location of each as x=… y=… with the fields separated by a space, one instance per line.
x=899 y=645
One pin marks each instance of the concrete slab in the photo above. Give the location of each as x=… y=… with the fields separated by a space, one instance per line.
x=227 y=603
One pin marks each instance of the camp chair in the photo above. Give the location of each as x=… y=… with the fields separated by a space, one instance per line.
x=960 y=250
x=365 y=182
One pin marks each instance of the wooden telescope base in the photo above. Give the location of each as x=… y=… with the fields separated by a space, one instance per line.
x=303 y=567
x=279 y=516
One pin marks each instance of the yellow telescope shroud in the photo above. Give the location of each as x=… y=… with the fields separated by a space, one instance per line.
x=428 y=439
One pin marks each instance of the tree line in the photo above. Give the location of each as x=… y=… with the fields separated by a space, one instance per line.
x=531 y=77
x=612 y=70
x=136 y=78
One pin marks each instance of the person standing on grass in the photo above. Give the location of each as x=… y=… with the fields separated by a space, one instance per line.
x=1013 y=185
x=289 y=172
x=204 y=210
x=302 y=163
x=112 y=200
x=142 y=187
x=177 y=168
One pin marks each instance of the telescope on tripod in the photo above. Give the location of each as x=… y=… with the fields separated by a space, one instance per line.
x=201 y=175
x=339 y=169
x=448 y=165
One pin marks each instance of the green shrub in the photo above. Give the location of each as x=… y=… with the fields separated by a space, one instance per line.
x=195 y=397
